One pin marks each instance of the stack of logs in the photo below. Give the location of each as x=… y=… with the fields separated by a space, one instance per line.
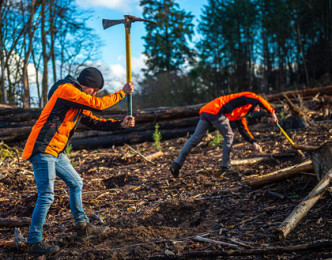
x=16 y=123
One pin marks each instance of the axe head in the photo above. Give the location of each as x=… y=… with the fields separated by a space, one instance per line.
x=108 y=23
x=127 y=21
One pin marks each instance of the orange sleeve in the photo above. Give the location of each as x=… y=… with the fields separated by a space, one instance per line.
x=72 y=96
x=245 y=126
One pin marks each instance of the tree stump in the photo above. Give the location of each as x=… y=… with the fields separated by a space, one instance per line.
x=322 y=159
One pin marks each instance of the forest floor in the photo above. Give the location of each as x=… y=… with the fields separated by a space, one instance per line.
x=152 y=215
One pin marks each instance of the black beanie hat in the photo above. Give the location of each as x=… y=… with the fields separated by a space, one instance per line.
x=91 y=77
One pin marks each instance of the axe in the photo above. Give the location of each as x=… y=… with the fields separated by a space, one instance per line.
x=289 y=139
x=128 y=19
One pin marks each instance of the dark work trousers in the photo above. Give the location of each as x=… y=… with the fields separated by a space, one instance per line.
x=221 y=123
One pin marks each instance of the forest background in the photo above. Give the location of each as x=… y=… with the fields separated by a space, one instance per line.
x=263 y=46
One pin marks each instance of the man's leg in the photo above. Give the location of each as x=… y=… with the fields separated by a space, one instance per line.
x=222 y=124
x=44 y=171
x=68 y=174
x=193 y=141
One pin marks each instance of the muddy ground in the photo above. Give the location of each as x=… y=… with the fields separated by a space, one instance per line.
x=151 y=214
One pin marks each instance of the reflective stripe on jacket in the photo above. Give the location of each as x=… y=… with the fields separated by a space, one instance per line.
x=67 y=105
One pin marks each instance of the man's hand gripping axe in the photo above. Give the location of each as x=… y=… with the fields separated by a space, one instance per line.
x=127 y=23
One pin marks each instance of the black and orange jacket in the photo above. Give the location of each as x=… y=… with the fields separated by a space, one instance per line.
x=67 y=106
x=235 y=107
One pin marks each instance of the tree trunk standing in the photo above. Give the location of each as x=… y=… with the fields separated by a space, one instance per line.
x=53 y=35
x=45 y=56
x=299 y=39
x=31 y=32
x=36 y=65
x=2 y=60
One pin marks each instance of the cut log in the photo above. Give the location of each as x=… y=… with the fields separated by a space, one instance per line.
x=6 y=243
x=302 y=209
x=131 y=138
x=327 y=90
x=260 y=158
x=170 y=124
x=14 y=222
x=15 y=134
x=154 y=155
x=256 y=181
x=249 y=161
x=305 y=147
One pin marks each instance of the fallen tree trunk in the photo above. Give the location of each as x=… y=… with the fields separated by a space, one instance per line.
x=163 y=125
x=249 y=161
x=303 y=92
x=256 y=181
x=15 y=134
x=130 y=138
x=260 y=158
x=154 y=155
x=14 y=222
x=302 y=209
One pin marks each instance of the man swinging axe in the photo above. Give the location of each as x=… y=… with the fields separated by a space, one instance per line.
x=128 y=19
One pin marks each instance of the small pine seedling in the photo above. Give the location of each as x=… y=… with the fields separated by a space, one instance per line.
x=157 y=137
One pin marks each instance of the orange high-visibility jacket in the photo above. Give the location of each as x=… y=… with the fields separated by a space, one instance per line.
x=67 y=106
x=236 y=107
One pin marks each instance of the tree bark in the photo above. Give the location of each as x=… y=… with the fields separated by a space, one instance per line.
x=327 y=90
x=14 y=222
x=130 y=138
x=321 y=159
x=256 y=181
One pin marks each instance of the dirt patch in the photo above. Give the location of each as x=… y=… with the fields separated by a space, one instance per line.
x=151 y=214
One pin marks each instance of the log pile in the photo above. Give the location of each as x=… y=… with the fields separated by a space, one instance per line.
x=16 y=123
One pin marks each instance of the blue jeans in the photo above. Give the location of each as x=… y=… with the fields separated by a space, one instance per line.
x=223 y=126
x=46 y=167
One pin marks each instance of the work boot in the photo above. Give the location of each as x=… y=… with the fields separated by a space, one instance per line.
x=175 y=169
x=86 y=231
x=42 y=248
